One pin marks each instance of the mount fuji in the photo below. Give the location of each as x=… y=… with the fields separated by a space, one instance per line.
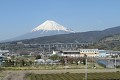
x=50 y=25
x=48 y=28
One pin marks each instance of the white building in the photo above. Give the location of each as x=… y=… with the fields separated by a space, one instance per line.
x=102 y=53
x=2 y=52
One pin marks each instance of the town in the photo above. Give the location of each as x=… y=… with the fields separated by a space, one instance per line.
x=58 y=53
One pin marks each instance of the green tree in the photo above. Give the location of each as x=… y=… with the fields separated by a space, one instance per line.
x=54 y=57
x=84 y=59
x=22 y=63
x=38 y=57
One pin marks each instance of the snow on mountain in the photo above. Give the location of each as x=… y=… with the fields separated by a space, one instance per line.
x=50 y=25
x=48 y=28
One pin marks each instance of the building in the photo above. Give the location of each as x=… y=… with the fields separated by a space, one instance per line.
x=78 y=53
x=71 y=53
x=4 y=52
x=19 y=43
x=102 y=53
x=89 y=52
x=111 y=53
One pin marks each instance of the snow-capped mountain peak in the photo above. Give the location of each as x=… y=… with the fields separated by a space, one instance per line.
x=48 y=28
x=50 y=25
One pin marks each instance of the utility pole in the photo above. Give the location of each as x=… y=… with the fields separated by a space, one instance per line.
x=115 y=62
x=85 y=56
x=86 y=70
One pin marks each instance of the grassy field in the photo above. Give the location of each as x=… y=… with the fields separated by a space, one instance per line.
x=74 y=76
x=1 y=75
x=20 y=74
x=52 y=67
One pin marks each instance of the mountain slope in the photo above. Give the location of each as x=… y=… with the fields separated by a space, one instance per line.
x=111 y=38
x=111 y=42
x=91 y=36
x=47 y=28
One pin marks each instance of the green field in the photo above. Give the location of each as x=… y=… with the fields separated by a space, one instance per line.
x=74 y=76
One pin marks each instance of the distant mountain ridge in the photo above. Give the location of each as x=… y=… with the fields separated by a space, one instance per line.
x=52 y=32
x=80 y=37
x=48 y=28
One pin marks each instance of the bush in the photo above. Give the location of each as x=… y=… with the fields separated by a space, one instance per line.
x=38 y=57
x=67 y=73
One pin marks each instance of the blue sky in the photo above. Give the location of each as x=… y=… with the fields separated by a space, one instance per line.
x=18 y=17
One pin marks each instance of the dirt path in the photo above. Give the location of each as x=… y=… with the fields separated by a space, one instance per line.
x=14 y=75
